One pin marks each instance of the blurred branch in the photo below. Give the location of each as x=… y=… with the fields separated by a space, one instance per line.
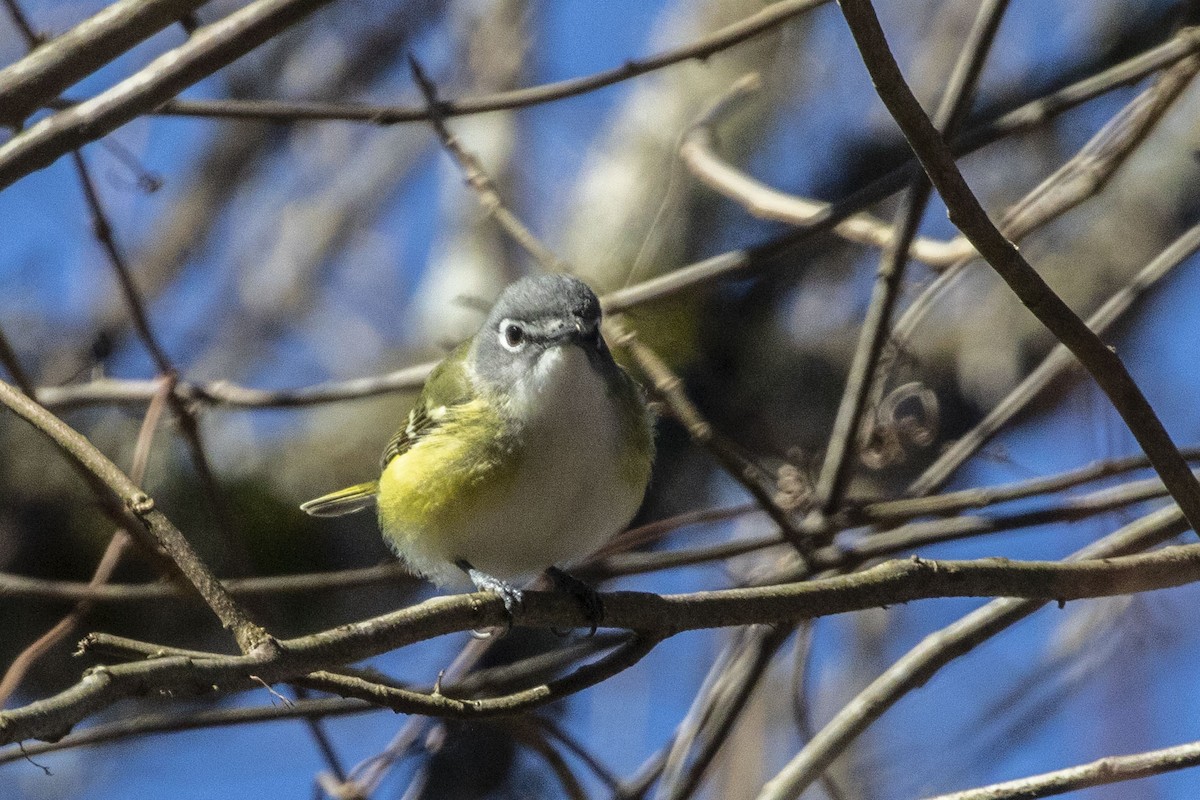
x=837 y=466
x=210 y=48
x=479 y=180
x=718 y=705
x=652 y=616
x=124 y=391
x=965 y=212
x=183 y=413
x=23 y=587
x=1059 y=361
x=741 y=468
x=117 y=391
x=1029 y=115
x=1083 y=176
x=284 y=111
x=109 y=561
x=918 y=665
x=85 y=456
x=66 y=59
x=150 y=724
x=1112 y=769
x=698 y=151
x=556 y=732
x=8 y=357
x=535 y=739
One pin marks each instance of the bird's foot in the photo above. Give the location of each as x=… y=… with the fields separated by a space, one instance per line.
x=514 y=598
x=587 y=597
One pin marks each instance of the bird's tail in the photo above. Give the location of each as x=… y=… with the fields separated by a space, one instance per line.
x=343 y=501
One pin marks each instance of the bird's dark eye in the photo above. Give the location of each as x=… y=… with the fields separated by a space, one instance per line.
x=512 y=335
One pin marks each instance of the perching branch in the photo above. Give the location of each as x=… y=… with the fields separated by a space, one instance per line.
x=655 y=615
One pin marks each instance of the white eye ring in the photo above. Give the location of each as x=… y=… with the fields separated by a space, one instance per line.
x=511 y=335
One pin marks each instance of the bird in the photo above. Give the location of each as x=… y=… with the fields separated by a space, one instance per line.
x=528 y=448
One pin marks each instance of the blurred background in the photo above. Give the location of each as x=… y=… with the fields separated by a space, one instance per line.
x=279 y=255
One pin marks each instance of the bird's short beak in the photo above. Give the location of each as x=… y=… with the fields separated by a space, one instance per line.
x=575 y=331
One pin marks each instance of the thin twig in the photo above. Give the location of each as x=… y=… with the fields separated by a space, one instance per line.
x=739 y=466
x=479 y=180
x=847 y=425
x=1112 y=769
x=968 y=215
x=154 y=724
x=918 y=665
x=82 y=454
x=285 y=111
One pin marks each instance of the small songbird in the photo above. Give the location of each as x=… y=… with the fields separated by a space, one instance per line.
x=528 y=448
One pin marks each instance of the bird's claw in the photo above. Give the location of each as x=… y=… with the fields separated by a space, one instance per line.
x=513 y=598
x=587 y=597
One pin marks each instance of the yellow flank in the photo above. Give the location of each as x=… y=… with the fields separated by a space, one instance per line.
x=428 y=492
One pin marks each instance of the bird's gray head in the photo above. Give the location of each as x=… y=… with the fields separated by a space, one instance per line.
x=532 y=317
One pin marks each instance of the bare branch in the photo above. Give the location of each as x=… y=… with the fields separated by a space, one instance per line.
x=209 y=49
x=67 y=59
x=755 y=25
x=1112 y=769
x=81 y=453
x=698 y=151
x=918 y=665
x=966 y=213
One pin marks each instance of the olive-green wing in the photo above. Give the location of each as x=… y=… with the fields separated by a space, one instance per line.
x=448 y=386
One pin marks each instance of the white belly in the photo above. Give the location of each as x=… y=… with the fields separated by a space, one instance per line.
x=569 y=497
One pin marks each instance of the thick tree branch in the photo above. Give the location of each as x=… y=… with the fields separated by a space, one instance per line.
x=209 y=49
x=67 y=59
x=659 y=616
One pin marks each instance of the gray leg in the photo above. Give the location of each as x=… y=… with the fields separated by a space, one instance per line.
x=512 y=596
